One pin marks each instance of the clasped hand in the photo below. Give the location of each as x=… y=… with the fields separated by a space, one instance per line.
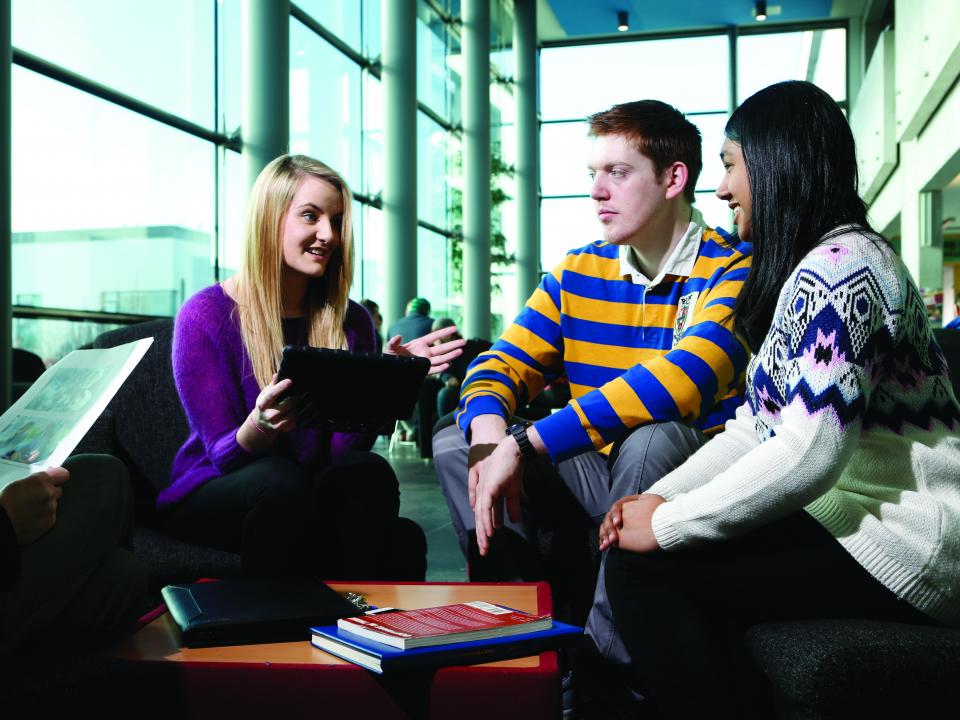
x=439 y=354
x=629 y=523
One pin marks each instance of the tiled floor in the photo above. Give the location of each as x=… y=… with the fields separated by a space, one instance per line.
x=422 y=501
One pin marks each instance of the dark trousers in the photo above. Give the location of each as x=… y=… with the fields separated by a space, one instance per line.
x=682 y=614
x=79 y=584
x=562 y=509
x=340 y=524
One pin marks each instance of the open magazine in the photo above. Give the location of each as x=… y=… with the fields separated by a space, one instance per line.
x=43 y=427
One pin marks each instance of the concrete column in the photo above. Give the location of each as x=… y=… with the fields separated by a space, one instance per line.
x=6 y=287
x=399 y=77
x=475 y=42
x=528 y=139
x=265 y=124
x=921 y=245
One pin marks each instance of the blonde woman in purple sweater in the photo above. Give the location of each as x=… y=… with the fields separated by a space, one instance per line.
x=289 y=500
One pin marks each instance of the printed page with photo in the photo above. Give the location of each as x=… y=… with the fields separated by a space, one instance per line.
x=43 y=427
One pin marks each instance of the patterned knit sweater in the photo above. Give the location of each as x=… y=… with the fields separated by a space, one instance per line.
x=634 y=353
x=850 y=414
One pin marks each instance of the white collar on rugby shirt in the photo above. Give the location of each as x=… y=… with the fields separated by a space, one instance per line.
x=680 y=262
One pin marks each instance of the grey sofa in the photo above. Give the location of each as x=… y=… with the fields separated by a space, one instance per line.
x=144 y=425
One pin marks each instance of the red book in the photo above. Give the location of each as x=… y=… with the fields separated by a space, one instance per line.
x=442 y=625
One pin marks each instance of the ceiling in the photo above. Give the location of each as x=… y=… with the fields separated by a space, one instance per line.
x=570 y=19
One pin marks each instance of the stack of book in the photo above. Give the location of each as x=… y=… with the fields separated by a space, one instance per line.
x=463 y=634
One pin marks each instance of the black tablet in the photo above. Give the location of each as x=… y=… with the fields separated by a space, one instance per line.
x=349 y=391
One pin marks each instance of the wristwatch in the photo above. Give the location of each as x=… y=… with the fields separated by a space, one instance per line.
x=519 y=432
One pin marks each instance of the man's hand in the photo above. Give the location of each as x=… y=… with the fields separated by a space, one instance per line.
x=636 y=532
x=500 y=477
x=486 y=432
x=613 y=522
x=31 y=503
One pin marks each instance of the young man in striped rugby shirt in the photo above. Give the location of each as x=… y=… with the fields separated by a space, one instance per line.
x=640 y=325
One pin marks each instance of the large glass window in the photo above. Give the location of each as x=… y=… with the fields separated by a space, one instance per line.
x=433 y=256
x=432 y=172
x=118 y=43
x=325 y=103
x=340 y=17
x=624 y=71
x=815 y=55
x=111 y=211
x=432 y=81
x=698 y=85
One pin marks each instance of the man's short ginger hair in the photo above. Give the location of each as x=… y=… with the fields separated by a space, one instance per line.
x=658 y=131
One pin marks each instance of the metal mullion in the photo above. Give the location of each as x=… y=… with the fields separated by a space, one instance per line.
x=706 y=31
x=446 y=17
x=438 y=119
x=79 y=82
x=427 y=225
x=26 y=312
x=371 y=200
x=634 y=37
x=758 y=29
x=319 y=29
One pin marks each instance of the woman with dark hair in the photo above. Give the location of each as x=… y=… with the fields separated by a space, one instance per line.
x=833 y=492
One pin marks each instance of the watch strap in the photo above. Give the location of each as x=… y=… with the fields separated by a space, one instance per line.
x=519 y=433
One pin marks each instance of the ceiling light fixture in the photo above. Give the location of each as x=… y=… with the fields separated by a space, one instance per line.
x=760 y=10
x=622 y=24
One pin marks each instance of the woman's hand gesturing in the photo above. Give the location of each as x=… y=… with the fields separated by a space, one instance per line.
x=430 y=346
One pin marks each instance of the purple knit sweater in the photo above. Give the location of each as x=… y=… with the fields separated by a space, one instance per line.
x=214 y=377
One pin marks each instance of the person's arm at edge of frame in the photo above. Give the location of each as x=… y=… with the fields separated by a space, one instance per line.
x=28 y=509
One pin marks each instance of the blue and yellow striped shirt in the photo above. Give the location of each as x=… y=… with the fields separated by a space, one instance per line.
x=634 y=353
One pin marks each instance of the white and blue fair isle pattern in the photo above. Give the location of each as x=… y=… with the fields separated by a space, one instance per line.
x=850 y=338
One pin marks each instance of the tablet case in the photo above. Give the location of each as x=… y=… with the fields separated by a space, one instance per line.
x=349 y=391
x=253 y=610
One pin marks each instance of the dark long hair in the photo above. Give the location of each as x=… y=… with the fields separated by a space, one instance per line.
x=802 y=166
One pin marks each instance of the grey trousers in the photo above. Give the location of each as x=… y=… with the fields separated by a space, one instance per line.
x=76 y=581
x=590 y=482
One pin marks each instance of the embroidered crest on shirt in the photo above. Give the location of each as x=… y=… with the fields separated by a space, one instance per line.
x=684 y=312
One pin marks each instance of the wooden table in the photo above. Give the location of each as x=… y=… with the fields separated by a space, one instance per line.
x=298 y=680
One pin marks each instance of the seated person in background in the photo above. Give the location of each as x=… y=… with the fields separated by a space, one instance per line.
x=415 y=323
x=374 y=311
x=290 y=500
x=65 y=572
x=640 y=324
x=833 y=493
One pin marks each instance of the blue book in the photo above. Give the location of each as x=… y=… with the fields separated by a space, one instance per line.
x=382 y=658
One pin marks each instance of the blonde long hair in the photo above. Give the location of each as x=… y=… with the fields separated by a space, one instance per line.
x=259 y=280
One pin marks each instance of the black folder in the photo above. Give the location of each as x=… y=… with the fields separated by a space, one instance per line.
x=253 y=610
